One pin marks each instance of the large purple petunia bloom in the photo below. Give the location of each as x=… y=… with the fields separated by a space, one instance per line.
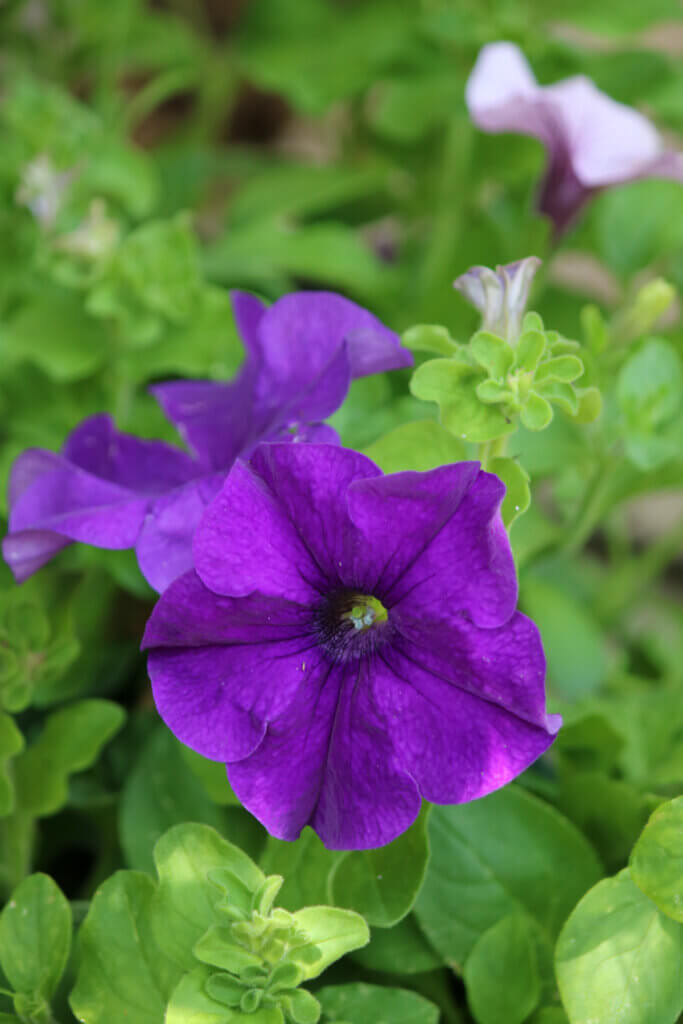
x=113 y=490
x=592 y=141
x=348 y=643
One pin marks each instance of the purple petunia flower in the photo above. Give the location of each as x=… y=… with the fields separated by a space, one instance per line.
x=113 y=490
x=591 y=140
x=348 y=643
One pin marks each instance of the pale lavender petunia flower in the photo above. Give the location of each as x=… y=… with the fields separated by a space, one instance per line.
x=348 y=643
x=592 y=141
x=500 y=295
x=113 y=490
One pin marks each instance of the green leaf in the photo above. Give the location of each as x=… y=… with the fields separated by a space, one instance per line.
x=493 y=353
x=618 y=958
x=330 y=933
x=55 y=334
x=35 y=936
x=160 y=791
x=563 y=368
x=306 y=866
x=517 y=491
x=491 y=391
x=452 y=386
x=383 y=884
x=419 y=446
x=529 y=351
x=430 y=338
x=212 y=775
x=501 y=973
x=191 y=1004
x=300 y=1006
x=70 y=741
x=562 y=395
x=402 y=949
x=123 y=974
x=574 y=645
x=594 y=328
x=650 y=383
x=361 y=1002
x=536 y=413
x=610 y=812
x=657 y=859
x=11 y=743
x=194 y=863
x=474 y=879
x=590 y=405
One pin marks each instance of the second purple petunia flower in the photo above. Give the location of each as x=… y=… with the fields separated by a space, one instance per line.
x=348 y=643
x=113 y=490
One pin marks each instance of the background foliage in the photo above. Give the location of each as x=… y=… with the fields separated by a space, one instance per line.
x=156 y=155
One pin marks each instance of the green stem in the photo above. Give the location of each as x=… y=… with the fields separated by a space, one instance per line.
x=492 y=449
x=156 y=92
x=596 y=501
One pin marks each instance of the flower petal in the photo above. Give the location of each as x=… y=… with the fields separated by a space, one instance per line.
x=145 y=467
x=164 y=546
x=65 y=499
x=437 y=541
x=608 y=142
x=332 y=748
x=309 y=483
x=301 y=333
x=222 y=668
x=449 y=727
x=30 y=550
x=502 y=94
x=246 y=542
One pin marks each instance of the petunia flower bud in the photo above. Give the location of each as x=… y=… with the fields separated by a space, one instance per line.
x=500 y=295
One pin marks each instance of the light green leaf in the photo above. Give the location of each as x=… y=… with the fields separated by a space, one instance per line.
x=563 y=368
x=70 y=742
x=123 y=974
x=501 y=973
x=55 y=334
x=618 y=958
x=402 y=949
x=360 y=1002
x=493 y=353
x=212 y=775
x=474 y=879
x=160 y=791
x=194 y=863
x=590 y=405
x=564 y=396
x=191 y=1004
x=11 y=743
x=430 y=338
x=491 y=391
x=35 y=936
x=657 y=859
x=330 y=933
x=529 y=351
x=650 y=383
x=418 y=446
x=452 y=386
x=517 y=491
x=300 y=1006
x=536 y=413
x=382 y=884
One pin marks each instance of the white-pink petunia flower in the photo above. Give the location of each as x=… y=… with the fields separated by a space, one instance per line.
x=592 y=141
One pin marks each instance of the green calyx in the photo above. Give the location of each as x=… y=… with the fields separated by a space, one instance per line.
x=366 y=611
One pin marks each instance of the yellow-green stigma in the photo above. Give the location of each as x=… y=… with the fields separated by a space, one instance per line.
x=365 y=612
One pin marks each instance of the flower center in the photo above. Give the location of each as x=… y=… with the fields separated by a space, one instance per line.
x=350 y=625
x=365 y=612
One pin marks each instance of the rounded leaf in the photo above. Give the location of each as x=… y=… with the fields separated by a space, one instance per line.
x=501 y=973
x=35 y=936
x=657 y=859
